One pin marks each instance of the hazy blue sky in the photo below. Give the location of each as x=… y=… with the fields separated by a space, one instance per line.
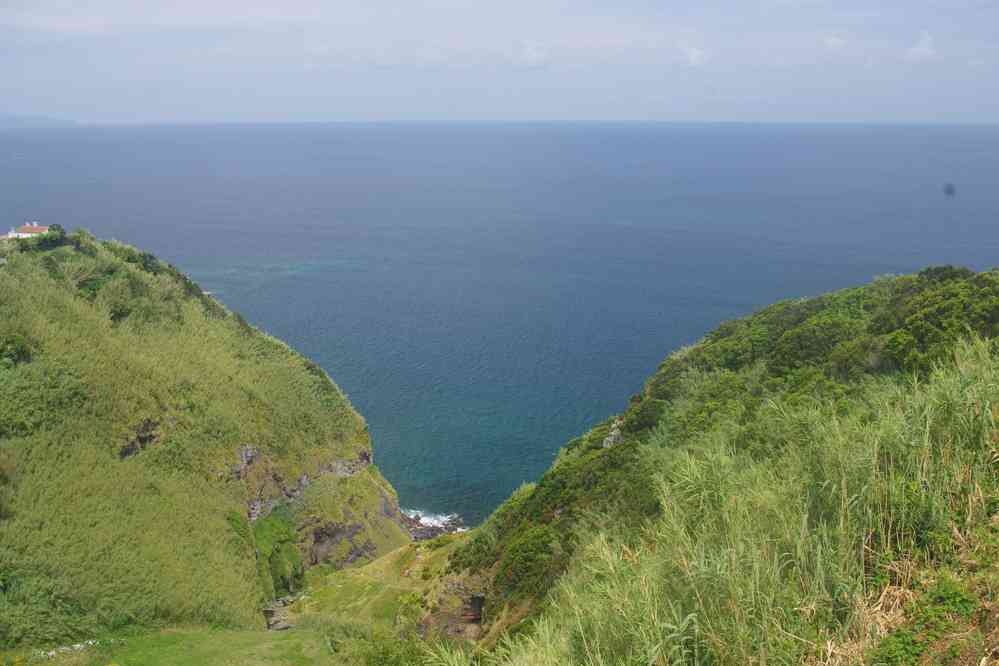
x=248 y=60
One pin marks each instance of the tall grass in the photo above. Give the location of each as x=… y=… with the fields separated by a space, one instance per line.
x=761 y=557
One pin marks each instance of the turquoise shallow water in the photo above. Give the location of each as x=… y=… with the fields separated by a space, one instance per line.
x=486 y=292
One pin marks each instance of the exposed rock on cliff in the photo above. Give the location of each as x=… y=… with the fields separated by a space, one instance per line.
x=615 y=436
x=145 y=434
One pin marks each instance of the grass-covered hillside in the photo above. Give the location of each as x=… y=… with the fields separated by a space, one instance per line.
x=814 y=483
x=161 y=461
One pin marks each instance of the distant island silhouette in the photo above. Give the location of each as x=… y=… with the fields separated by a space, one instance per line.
x=18 y=122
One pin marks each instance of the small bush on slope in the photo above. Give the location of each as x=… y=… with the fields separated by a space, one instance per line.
x=125 y=393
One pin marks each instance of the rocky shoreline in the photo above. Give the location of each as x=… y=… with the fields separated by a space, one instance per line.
x=423 y=527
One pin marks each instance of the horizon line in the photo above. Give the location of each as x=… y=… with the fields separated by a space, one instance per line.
x=57 y=123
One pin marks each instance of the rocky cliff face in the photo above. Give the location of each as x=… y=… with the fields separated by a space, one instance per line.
x=268 y=489
x=365 y=522
x=342 y=538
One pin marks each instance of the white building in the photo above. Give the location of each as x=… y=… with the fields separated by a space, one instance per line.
x=29 y=230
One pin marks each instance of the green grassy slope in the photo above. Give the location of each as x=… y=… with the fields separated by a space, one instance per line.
x=358 y=615
x=863 y=533
x=779 y=468
x=190 y=646
x=141 y=426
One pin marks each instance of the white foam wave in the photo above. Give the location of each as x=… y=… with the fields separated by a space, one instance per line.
x=431 y=519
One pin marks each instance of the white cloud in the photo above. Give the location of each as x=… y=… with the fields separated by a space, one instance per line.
x=529 y=55
x=452 y=34
x=923 y=50
x=834 y=43
x=695 y=56
x=115 y=15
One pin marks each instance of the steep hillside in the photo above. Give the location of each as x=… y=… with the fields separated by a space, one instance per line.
x=859 y=530
x=767 y=485
x=161 y=461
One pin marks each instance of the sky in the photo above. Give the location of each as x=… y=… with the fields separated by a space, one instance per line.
x=135 y=61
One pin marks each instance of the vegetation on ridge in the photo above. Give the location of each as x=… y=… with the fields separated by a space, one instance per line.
x=804 y=552
x=780 y=470
x=815 y=483
x=141 y=424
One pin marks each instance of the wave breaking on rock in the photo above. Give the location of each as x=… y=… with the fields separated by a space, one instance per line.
x=423 y=526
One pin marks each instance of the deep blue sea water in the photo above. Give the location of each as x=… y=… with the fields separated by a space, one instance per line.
x=486 y=292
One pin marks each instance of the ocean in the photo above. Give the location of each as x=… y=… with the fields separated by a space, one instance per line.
x=486 y=292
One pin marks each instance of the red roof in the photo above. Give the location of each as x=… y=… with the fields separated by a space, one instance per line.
x=32 y=229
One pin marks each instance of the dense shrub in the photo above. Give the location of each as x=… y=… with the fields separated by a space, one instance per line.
x=276 y=539
x=527 y=560
x=6 y=477
x=932 y=615
x=14 y=349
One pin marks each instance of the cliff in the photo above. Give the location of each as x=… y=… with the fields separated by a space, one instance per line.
x=162 y=461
